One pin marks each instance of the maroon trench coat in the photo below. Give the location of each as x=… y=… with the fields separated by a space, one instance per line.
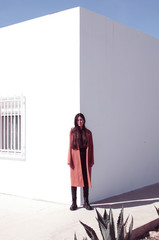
x=74 y=161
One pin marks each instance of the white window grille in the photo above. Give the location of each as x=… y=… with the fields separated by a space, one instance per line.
x=12 y=127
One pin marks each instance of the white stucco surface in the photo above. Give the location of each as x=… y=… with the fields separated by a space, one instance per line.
x=119 y=95
x=40 y=59
x=72 y=61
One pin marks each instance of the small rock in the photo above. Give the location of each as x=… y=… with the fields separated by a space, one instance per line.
x=154 y=234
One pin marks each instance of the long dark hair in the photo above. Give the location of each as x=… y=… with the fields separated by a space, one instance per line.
x=79 y=135
x=76 y=119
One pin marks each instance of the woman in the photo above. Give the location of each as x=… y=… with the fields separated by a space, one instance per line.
x=80 y=160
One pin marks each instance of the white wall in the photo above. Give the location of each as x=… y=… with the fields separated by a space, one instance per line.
x=40 y=59
x=119 y=96
x=106 y=70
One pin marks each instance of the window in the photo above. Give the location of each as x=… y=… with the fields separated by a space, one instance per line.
x=12 y=127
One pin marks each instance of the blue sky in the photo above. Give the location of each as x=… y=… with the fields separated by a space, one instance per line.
x=142 y=15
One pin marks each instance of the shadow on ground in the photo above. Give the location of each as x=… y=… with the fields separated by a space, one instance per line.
x=139 y=197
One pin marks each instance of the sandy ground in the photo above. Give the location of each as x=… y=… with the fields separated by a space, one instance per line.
x=27 y=219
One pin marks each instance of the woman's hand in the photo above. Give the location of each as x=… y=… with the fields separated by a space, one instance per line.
x=71 y=165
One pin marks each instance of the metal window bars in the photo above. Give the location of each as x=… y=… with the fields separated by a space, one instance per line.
x=12 y=127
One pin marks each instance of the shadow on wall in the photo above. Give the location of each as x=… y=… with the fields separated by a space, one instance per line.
x=139 y=197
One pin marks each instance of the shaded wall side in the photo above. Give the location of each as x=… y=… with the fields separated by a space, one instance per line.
x=119 y=96
x=40 y=59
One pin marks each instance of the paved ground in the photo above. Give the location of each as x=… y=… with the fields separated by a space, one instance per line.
x=26 y=219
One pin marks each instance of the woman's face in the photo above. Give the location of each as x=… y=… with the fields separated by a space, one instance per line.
x=80 y=122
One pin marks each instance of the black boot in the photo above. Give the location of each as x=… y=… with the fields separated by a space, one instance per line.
x=74 y=197
x=86 y=204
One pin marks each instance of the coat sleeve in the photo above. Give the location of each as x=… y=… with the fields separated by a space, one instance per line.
x=70 y=160
x=91 y=151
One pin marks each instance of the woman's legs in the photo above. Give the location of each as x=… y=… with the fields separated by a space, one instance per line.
x=85 y=179
x=74 y=198
x=85 y=188
x=86 y=198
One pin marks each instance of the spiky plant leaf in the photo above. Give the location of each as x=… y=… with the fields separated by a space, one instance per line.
x=120 y=223
x=107 y=234
x=106 y=225
x=91 y=233
x=105 y=216
x=111 y=219
x=121 y=218
x=105 y=231
x=75 y=238
x=130 y=229
x=112 y=232
x=112 y=225
x=157 y=209
x=125 y=223
x=101 y=219
x=121 y=233
x=103 y=226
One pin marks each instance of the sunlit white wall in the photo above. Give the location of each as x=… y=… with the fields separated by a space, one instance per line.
x=119 y=95
x=40 y=59
x=75 y=61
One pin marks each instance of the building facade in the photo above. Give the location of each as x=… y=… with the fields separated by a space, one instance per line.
x=78 y=61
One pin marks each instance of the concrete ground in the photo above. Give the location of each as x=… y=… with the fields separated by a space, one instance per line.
x=27 y=219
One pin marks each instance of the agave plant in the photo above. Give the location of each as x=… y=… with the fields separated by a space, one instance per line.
x=107 y=227
x=121 y=227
